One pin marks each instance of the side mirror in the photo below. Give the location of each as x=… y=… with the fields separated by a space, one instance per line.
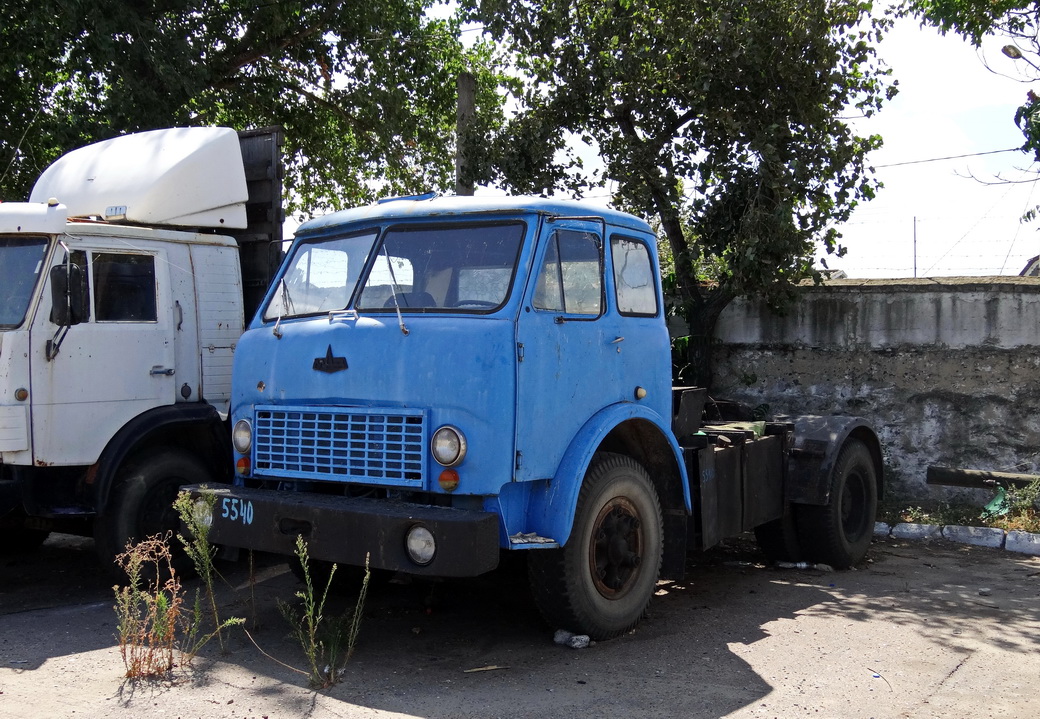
x=68 y=305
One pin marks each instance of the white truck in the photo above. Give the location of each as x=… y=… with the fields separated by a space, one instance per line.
x=121 y=301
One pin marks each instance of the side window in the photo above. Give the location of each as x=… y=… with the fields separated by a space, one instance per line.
x=633 y=277
x=124 y=288
x=571 y=277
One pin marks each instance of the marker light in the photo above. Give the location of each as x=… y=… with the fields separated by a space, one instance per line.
x=448 y=480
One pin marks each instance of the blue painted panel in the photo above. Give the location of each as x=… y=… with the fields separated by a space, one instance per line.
x=569 y=368
x=550 y=505
x=449 y=370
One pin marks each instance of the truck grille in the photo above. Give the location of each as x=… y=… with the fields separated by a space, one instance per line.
x=375 y=446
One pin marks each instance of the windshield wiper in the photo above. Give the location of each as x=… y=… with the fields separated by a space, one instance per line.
x=393 y=291
x=286 y=308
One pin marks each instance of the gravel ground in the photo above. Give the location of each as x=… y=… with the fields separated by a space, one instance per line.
x=922 y=629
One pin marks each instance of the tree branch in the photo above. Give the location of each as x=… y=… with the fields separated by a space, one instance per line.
x=250 y=55
x=666 y=205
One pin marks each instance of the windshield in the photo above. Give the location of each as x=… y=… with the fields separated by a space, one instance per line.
x=320 y=276
x=450 y=268
x=21 y=262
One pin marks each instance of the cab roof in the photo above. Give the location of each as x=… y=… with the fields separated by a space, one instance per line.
x=432 y=206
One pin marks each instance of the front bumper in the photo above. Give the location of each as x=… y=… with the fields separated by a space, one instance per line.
x=347 y=529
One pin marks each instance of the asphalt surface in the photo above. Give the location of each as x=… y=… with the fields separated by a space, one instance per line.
x=922 y=629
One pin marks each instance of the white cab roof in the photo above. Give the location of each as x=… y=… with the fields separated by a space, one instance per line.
x=39 y=218
x=188 y=177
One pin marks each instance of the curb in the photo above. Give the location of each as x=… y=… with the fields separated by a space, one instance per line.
x=1013 y=541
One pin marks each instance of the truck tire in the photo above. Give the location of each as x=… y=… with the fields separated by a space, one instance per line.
x=141 y=505
x=778 y=539
x=839 y=532
x=601 y=581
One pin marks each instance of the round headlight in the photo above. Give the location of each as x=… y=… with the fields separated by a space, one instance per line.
x=242 y=436
x=202 y=512
x=448 y=446
x=420 y=545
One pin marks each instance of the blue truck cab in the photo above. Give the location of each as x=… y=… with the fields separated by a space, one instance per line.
x=432 y=381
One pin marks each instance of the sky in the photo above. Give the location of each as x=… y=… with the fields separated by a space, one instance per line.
x=948 y=104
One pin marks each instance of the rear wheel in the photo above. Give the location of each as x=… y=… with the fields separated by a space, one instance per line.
x=839 y=532
x=141 y=505
x=601 y=581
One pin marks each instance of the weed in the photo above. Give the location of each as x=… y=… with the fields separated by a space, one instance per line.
x=328 y=642
x=943 y=513
x=196 y=514
x=1011 y=508
x=1019 y=508
x=146 y=613
x=152 y=619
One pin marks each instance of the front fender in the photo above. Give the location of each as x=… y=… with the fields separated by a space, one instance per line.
x=552 y=504
x=817 y=442
x=198 y=421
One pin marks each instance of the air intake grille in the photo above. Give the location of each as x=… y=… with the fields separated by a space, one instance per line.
x=343 y=444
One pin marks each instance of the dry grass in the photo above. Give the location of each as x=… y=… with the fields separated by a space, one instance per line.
x=148 y=611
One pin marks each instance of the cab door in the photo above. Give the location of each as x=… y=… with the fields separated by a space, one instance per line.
x=116 y=362
x=567 y=345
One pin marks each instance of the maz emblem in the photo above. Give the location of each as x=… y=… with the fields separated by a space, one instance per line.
x=330 y=364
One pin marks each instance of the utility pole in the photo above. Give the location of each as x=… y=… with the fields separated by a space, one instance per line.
x=467 y=90
x=915 y=247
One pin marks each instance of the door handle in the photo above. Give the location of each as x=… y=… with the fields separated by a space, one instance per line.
x=158 y=371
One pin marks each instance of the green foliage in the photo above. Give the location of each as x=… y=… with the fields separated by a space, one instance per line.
x=974 y=19
x=328 y=642
x=365 y=91
x=1019 y=508
x=1012 y=508
x=942 y=513
x=724 y=120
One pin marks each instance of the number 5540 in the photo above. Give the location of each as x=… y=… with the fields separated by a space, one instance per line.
x=237 y=510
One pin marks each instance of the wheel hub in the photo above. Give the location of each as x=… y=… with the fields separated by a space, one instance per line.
x=615 y=553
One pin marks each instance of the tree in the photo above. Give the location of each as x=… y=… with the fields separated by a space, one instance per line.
x=974 y=19
x=365 y=91
x=1016 y=20
x=724 y=120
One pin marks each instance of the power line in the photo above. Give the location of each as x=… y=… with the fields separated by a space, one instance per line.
x=951 y=157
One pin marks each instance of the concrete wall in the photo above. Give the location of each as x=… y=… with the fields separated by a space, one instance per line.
x=946 y=369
